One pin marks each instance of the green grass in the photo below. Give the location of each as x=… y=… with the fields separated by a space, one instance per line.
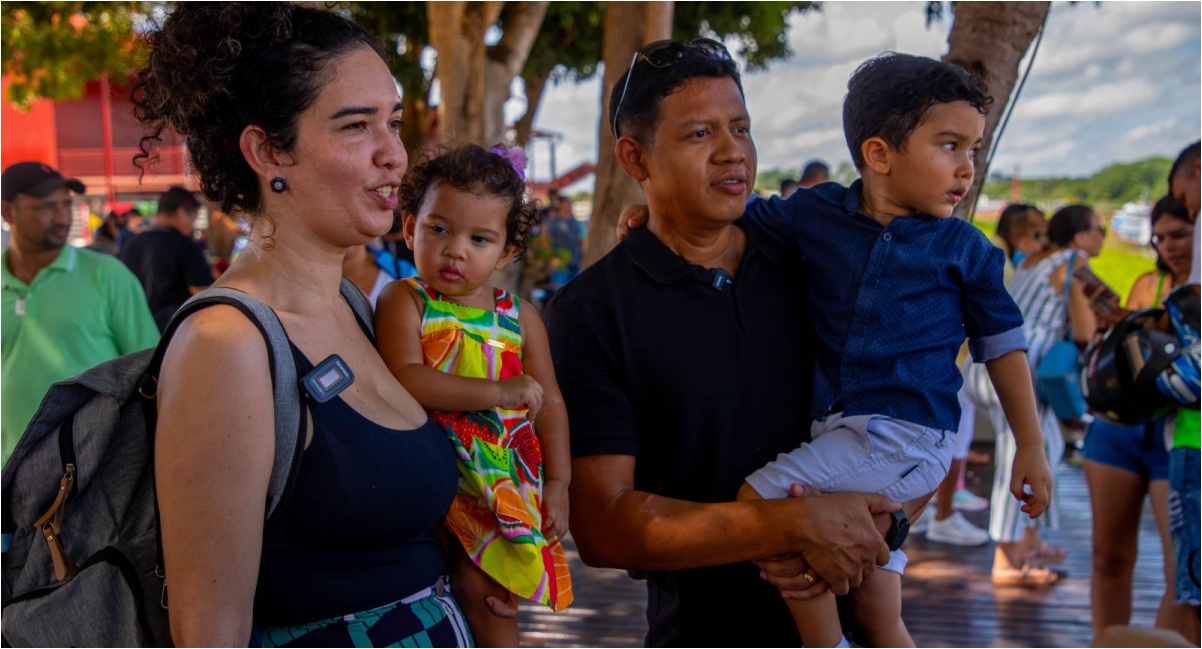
x=1119 y=265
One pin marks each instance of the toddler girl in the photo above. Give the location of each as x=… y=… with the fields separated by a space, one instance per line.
x=478 y=359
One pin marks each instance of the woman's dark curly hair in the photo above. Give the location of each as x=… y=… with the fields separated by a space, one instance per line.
x=470 y=168
x=216 y=68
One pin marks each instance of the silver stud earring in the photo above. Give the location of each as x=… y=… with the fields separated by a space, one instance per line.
x=278 y=185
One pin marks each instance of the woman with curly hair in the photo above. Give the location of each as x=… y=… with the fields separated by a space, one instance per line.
x=292 y=121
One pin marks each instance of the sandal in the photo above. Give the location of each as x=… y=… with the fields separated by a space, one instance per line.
x=1048 y=553
x=1025 y=576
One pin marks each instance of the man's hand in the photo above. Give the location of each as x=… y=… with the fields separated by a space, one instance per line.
x=841 y=541
x=632 y=218
x=792 y=575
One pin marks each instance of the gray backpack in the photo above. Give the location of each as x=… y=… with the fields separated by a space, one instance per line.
x=82 y=560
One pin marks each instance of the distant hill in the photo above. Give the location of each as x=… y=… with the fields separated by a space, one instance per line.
x=1107 y=189
x=1146 y=181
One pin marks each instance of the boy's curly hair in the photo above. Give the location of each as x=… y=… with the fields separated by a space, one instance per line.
x=216 y=68
x=470 y=168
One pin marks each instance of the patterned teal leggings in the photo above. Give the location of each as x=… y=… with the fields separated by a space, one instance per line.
x=429 y=618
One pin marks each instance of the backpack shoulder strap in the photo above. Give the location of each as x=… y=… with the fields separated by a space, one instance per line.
x=289 y=422
x=285 y=383
x=361 y=307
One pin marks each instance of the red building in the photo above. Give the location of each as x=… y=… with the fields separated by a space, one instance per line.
x=93 y=140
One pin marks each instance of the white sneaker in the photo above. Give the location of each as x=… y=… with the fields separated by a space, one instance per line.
x=967 y=501
x=956 y=530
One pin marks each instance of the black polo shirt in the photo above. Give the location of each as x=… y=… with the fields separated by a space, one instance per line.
x=168 y=264
x=703 y=386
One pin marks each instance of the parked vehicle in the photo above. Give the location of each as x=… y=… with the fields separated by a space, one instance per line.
x=1133 y=224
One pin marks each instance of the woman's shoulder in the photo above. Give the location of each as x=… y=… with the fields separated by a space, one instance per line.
x=1143 y=290
x=1149 y=277
x=221 y=333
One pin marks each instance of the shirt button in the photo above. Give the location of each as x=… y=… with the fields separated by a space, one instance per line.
x=858 y=330
x=887 y=237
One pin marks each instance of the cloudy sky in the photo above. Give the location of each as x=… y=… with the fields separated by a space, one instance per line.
x=1112 y=82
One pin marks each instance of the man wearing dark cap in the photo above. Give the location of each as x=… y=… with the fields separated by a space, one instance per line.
x=166 y=259
x=64 y=309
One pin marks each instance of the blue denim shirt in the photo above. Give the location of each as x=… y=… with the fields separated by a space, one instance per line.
x=892 y=305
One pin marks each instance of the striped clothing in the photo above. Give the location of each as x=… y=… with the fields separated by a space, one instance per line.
x=1044 y=322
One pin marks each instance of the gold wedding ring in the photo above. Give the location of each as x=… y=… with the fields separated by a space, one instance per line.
x=809 y=577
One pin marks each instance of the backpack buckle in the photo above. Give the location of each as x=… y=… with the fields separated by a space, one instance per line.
x=51 y=525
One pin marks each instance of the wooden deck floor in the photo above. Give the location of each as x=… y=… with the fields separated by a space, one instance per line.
x=948 y=598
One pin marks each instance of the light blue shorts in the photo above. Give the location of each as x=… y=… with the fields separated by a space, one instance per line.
x=863 y=453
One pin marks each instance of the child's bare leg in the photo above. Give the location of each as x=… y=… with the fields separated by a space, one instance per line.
x=817 y=619
x=876 y=604
x=473 y=587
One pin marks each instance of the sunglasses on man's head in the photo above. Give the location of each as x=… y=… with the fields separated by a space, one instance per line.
x=665 y=54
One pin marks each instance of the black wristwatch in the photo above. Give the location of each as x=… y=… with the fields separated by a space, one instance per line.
x=899 y=527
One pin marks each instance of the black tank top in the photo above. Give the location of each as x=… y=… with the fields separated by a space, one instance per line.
x=356 y=532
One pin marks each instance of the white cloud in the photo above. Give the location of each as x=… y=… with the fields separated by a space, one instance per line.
x=1098 y=99
x=1112 y=81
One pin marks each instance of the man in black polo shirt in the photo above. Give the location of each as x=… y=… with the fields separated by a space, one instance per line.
x=684 y=359
x=166 y=259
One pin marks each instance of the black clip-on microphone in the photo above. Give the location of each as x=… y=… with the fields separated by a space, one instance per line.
x=721 y=279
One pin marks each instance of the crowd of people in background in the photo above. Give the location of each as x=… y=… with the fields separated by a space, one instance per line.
x=694 y=444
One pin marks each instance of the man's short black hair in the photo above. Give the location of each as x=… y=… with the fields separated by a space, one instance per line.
x=889 y=96
x=648 y=86
x=175 y=198
x=1186 y=157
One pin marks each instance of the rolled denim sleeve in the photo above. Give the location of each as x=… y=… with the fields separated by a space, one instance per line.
x=989 y=309
x=987 y=348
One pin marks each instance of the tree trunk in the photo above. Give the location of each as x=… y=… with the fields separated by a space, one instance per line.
x=505 y=60
x=626 y=29
x=417 y=117
x=990 y=39
x=535 y=85
x=457 y=33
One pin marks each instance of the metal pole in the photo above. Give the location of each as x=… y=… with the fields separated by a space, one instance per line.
x=106 y=125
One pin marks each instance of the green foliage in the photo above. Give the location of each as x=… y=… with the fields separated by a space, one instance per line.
x=759 y=27
x=769 y=181
x=1109 y=188
x=568 y=46
x=404 y=28
x=52 y=49
x=569 y=43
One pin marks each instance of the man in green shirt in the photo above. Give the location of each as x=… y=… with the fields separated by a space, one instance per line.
x=63 y=309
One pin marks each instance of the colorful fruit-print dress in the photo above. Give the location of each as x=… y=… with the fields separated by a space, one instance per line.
x=497 y=513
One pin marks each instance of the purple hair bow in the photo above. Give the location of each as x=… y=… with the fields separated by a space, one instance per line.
x=516 y=157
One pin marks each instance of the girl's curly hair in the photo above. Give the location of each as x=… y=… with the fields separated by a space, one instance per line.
x=216 y=68
x=470 y=168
